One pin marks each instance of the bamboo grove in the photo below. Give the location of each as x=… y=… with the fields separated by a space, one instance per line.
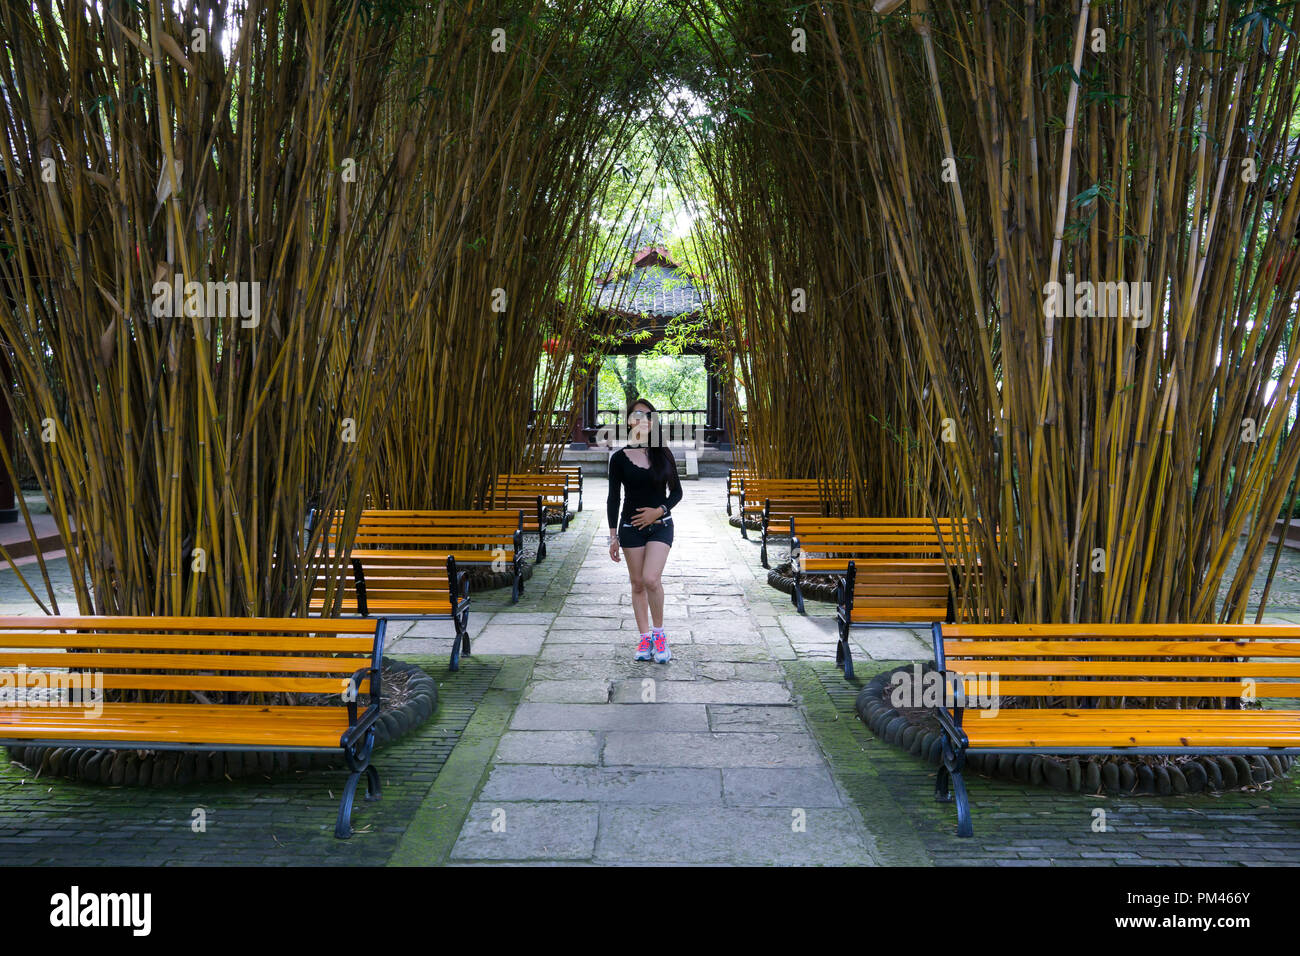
x=349 y=182
x=922 y=179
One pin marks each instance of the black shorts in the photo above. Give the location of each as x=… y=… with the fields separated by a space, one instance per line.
x=630 y=536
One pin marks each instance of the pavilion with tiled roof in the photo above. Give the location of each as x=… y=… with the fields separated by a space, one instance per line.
x=650 y=295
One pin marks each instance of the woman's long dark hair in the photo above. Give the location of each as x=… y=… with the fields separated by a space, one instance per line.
x=663 y=467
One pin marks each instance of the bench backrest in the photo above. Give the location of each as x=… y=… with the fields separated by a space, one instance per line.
x=529 y=503
x=736 y=476
x=395 y=576
x=434 y=530
x=778 y=511
x=880 y=537
x=548 y=486
x=755 y=492
x=1230 y=662
x=572 y=475
x=136 y=657
x=439 y=530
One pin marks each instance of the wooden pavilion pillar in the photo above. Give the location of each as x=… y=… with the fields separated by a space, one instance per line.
x=586 y=419
x=715 y=413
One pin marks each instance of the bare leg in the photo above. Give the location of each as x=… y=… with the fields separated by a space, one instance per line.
x=635 y=558
x=652 y=570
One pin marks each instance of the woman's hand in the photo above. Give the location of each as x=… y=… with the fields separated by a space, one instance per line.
x=645 y=517
x=613 y=549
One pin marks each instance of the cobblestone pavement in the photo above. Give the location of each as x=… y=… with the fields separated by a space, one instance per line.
x=551 y=746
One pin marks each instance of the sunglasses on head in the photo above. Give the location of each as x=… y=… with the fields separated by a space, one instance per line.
x=639 y=414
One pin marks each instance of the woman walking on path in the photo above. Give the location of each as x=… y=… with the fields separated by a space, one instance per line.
x=649 y=473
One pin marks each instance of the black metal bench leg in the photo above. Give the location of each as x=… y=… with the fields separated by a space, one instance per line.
x=964 y=826
x=343 y=829
x=460 y=646
x=762 y=554
x=950 y=770
x=942 y=792
x=843 y=655
x=454 y=665
x=359 y=763
x=515 y=587
x=796 y=595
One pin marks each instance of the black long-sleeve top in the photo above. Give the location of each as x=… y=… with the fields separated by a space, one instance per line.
x=642 y=489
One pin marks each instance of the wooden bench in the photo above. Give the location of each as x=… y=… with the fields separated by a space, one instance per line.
x=196 y=684
x=572 y=478
x=780 y=511
x=553 y=490
x=1096 y=686
x=754 y=494
x=892 y=570
x=735 y=476
x=401 y=584
x=491 y=539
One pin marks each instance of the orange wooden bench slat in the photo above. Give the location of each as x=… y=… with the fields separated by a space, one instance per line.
x=181 y=641
x=315 y=728
x=205 y=682
x=1127 y=648
x=270 y=625
x=184 y=661
x=1130 y=668
x=1145 y=631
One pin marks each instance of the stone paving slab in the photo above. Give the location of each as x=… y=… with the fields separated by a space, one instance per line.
x=501 y=639
x=891 y=644
x=528 y=831
x=611 y=717
x=656 y=786
x=621 y=668
x=804 y=787
x=753 y=718
x=569 y=691
x=743 y=837
x=572 y=747
x=638 y=748
x=702 y=692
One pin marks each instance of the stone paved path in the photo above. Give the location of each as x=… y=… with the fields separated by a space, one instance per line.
x=705 y=760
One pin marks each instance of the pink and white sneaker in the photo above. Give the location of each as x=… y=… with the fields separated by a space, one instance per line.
x=662 y=654
x=643 y=649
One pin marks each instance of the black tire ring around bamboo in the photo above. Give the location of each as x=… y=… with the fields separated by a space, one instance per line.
x=818 y=587
x=164 y=768
x=913 y=730
x=753 y=524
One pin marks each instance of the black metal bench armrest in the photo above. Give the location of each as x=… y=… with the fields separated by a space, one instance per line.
x=951 y=725
x=360 y=723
